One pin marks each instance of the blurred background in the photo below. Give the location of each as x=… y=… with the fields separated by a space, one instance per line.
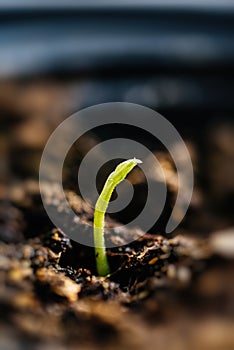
x=176 y=57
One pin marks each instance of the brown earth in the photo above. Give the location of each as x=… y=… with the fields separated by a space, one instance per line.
x=163 y=292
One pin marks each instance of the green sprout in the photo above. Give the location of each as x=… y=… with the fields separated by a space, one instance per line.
x=118 y=175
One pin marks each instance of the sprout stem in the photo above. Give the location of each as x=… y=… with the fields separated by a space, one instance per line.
x=112 y=181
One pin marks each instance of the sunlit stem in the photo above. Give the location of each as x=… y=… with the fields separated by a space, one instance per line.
x=118 y=175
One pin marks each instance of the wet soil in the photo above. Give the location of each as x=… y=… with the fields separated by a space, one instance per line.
x=164 y=292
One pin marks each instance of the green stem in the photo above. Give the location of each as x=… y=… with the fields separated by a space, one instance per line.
x=112 y=181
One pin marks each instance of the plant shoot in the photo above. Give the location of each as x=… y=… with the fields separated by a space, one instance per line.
x=118 y=175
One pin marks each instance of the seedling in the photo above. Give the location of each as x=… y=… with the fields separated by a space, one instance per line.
x=118 y=175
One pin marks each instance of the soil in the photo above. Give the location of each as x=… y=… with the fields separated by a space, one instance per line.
x=164 y=292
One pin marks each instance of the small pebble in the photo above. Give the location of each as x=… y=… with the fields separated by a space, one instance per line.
x=183 y=274
x=222 y=242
